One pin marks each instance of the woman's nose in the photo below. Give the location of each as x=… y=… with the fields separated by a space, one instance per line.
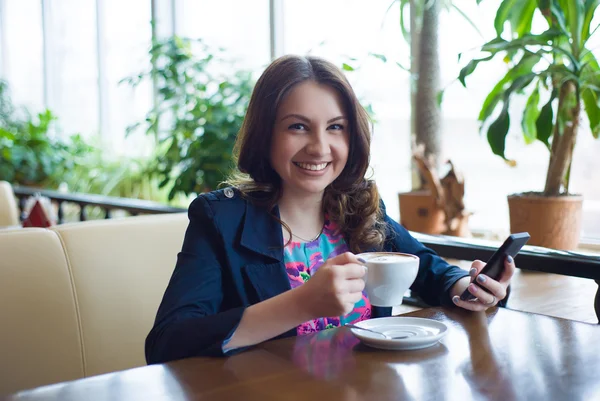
x=318 y=145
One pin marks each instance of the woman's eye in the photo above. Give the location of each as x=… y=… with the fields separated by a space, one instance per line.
x=297 y=126
x=336 y=127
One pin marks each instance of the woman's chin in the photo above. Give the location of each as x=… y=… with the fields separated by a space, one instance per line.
x=309 y=188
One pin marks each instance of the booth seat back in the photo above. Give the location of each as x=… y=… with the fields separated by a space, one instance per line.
x=120 y=269
x=78 y=299
x=9 y=213
x=40 y=335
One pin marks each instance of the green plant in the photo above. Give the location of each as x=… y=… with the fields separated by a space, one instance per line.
x=199 y=111
x=29 y=152
x=120 y=176
x=556 y=69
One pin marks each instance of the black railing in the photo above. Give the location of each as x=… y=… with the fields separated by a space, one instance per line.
x=107 y=203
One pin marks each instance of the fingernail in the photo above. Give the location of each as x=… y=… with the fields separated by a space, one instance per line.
x=481 y=278
x=509 y=259
x=361 y=260
x=472 y=271
x=473 y=288
x=455 y=299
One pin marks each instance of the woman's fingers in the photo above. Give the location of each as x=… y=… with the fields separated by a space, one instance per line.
x=484 y=297
x=351 y=298
x=509 y=270
x=476 y=267
x=353 y=271
x=497 y=289
x=355 y=285
x=469 y=305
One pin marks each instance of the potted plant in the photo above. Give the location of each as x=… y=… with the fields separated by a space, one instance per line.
x=425 y=208
x=199 y=111
x=559 y=73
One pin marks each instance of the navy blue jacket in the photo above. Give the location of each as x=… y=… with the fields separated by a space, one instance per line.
x=232 y=257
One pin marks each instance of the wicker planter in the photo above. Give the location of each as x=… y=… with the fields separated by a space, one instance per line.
x=552 y=222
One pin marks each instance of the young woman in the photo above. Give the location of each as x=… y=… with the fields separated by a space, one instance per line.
x=274 y=254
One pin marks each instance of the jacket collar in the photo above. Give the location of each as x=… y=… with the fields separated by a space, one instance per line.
x=261 y=232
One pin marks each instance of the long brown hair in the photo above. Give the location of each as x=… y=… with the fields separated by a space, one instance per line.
x=351 y=201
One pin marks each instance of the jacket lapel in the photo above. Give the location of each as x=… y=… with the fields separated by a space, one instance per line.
x=261 y=233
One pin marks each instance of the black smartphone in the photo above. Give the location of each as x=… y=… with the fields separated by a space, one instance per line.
x=495 y=265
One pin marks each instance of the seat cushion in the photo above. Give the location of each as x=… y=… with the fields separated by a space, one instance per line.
x=120 y=268
x=40 y=342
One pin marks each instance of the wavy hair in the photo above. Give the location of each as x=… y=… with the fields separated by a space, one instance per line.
x=351 y=201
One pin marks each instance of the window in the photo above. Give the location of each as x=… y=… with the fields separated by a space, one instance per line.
x=240 y=27
x=22 y=51
x=126 y=37
x=71 y=59
x=69 y=55
x=354 y=28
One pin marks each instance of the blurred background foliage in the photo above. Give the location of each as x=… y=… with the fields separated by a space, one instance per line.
x=201 y=100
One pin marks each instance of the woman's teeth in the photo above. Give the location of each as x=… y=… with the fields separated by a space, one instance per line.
x=312 y=167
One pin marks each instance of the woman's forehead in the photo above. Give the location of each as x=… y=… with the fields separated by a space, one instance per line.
x=312 y=100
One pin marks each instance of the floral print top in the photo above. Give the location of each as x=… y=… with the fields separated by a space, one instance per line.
x=302 y=260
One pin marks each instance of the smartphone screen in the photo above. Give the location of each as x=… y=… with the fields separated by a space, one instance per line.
x=495 y=265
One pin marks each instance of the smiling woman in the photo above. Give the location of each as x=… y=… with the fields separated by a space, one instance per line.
x=247 y=272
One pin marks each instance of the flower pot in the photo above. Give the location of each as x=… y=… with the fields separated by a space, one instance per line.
x=552 y=221
x=419 y=212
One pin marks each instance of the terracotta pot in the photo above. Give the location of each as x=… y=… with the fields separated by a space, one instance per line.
x=420 y=213
x=553 y=222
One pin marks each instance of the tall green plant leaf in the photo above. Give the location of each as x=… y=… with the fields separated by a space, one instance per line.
x=503 y=15
x=499 y=128
x=470 y=68
x=530 y=116
x=523 y=67
x=590 y=91
x=590 y=9
x=575 y=18
x=558 y=16
x=592 y=109
x=518 y=13
x=544 y=122
x=497 y=132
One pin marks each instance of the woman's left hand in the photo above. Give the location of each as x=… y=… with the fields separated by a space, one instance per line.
x=483 y=299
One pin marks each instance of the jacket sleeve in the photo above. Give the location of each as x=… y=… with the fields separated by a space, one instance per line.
x=435 y=277
x=189 y=322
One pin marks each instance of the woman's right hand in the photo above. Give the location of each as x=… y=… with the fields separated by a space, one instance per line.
x=335 y=288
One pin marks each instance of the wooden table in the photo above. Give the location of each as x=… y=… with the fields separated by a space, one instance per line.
x=504 y=355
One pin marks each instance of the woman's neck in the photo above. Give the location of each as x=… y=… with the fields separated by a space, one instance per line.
x=303 y=213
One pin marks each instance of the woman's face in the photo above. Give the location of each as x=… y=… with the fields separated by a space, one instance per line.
x=310 y=141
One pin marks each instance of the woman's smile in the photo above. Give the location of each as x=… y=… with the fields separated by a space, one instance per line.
x=312 y=167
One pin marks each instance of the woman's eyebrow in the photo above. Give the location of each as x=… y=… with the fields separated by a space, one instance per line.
x=306 y=119
x=336 y=118
x=298 y=116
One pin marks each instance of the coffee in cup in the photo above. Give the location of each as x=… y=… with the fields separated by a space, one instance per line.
x=389 y=275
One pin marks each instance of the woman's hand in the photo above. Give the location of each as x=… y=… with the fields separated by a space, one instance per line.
x=335 y=288
x=484 y=300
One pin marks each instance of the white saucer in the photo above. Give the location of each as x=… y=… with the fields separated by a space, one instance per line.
x=420 y=332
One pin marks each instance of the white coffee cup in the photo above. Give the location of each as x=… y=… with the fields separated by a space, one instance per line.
x=389 y=275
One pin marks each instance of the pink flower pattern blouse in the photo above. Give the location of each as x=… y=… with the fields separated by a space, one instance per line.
x=302 y=260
